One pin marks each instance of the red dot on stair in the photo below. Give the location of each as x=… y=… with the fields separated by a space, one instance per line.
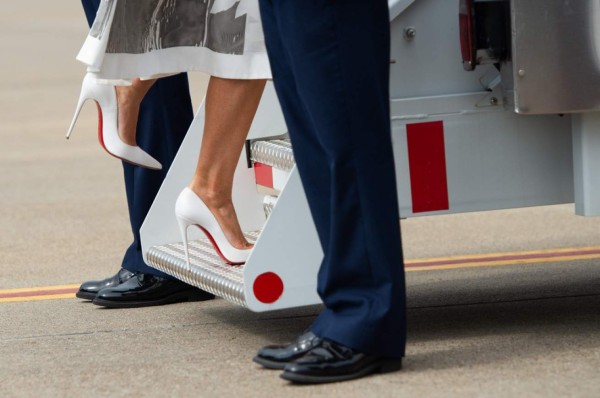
x=268 y=287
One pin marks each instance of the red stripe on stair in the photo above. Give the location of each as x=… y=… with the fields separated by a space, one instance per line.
x=264 y=174
x=427 y=163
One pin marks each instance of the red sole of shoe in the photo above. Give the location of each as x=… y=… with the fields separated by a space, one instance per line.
x=101 y=138
x=214 y=244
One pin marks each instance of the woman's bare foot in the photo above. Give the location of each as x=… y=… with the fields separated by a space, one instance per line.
x=220 y=205
x=129 y=99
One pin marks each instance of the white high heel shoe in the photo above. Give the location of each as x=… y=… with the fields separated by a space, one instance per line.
x=191 y=210
x=108 y=133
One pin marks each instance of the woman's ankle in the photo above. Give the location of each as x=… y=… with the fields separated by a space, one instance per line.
x=128 y=107
x=221 y=206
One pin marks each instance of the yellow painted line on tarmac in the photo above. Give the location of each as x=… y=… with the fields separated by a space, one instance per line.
x=38 y=293
x=499 y=259
x=37 y=298
x=425 y=264
x=38 y=289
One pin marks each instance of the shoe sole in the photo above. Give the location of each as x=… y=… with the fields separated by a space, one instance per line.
x=265 y=363
x=85 y=295
x=150 y=303
x=385 y=366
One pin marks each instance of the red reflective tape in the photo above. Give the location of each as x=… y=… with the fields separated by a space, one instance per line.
x=264 y=174
x=427 y=163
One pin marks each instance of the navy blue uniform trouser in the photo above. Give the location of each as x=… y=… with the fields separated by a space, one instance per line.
x=330 y=62
x=165 y=116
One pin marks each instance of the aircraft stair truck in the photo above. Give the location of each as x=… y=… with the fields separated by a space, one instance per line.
x=495 y=104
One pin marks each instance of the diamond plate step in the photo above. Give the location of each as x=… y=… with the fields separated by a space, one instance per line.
x=275 y=153
x=268 y=204
x=207 y=270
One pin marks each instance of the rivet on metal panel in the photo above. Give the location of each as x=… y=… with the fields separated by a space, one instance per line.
x=409 y=33
x=493 y=101
x=521 y=72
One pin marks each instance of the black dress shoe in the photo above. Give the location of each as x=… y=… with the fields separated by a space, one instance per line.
x=89 y=289
x=277 y=356
x=144 y=290
x=330 y=362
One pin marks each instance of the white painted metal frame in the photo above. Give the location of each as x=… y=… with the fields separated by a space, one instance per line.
x=160 y=226
x=586 y=158
x=495 y=158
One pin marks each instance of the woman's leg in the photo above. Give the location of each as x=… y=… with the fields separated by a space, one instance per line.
x=129 y=99
x=230 y=108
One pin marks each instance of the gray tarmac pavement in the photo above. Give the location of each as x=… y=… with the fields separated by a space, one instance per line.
x=529 y=330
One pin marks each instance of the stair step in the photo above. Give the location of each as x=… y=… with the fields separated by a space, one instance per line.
x=207 y=270
x=273 y=161
x=275 y=153
x=268 y=204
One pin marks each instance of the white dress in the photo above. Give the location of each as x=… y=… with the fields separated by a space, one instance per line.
x=154 y=38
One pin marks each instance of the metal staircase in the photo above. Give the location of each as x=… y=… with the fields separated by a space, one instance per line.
x=206 y=269
x=458 y=147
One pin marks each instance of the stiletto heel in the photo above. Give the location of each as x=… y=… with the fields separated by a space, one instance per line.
x=108 y=133
x=183 y=226
x=80 y=103
x=191 y=210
